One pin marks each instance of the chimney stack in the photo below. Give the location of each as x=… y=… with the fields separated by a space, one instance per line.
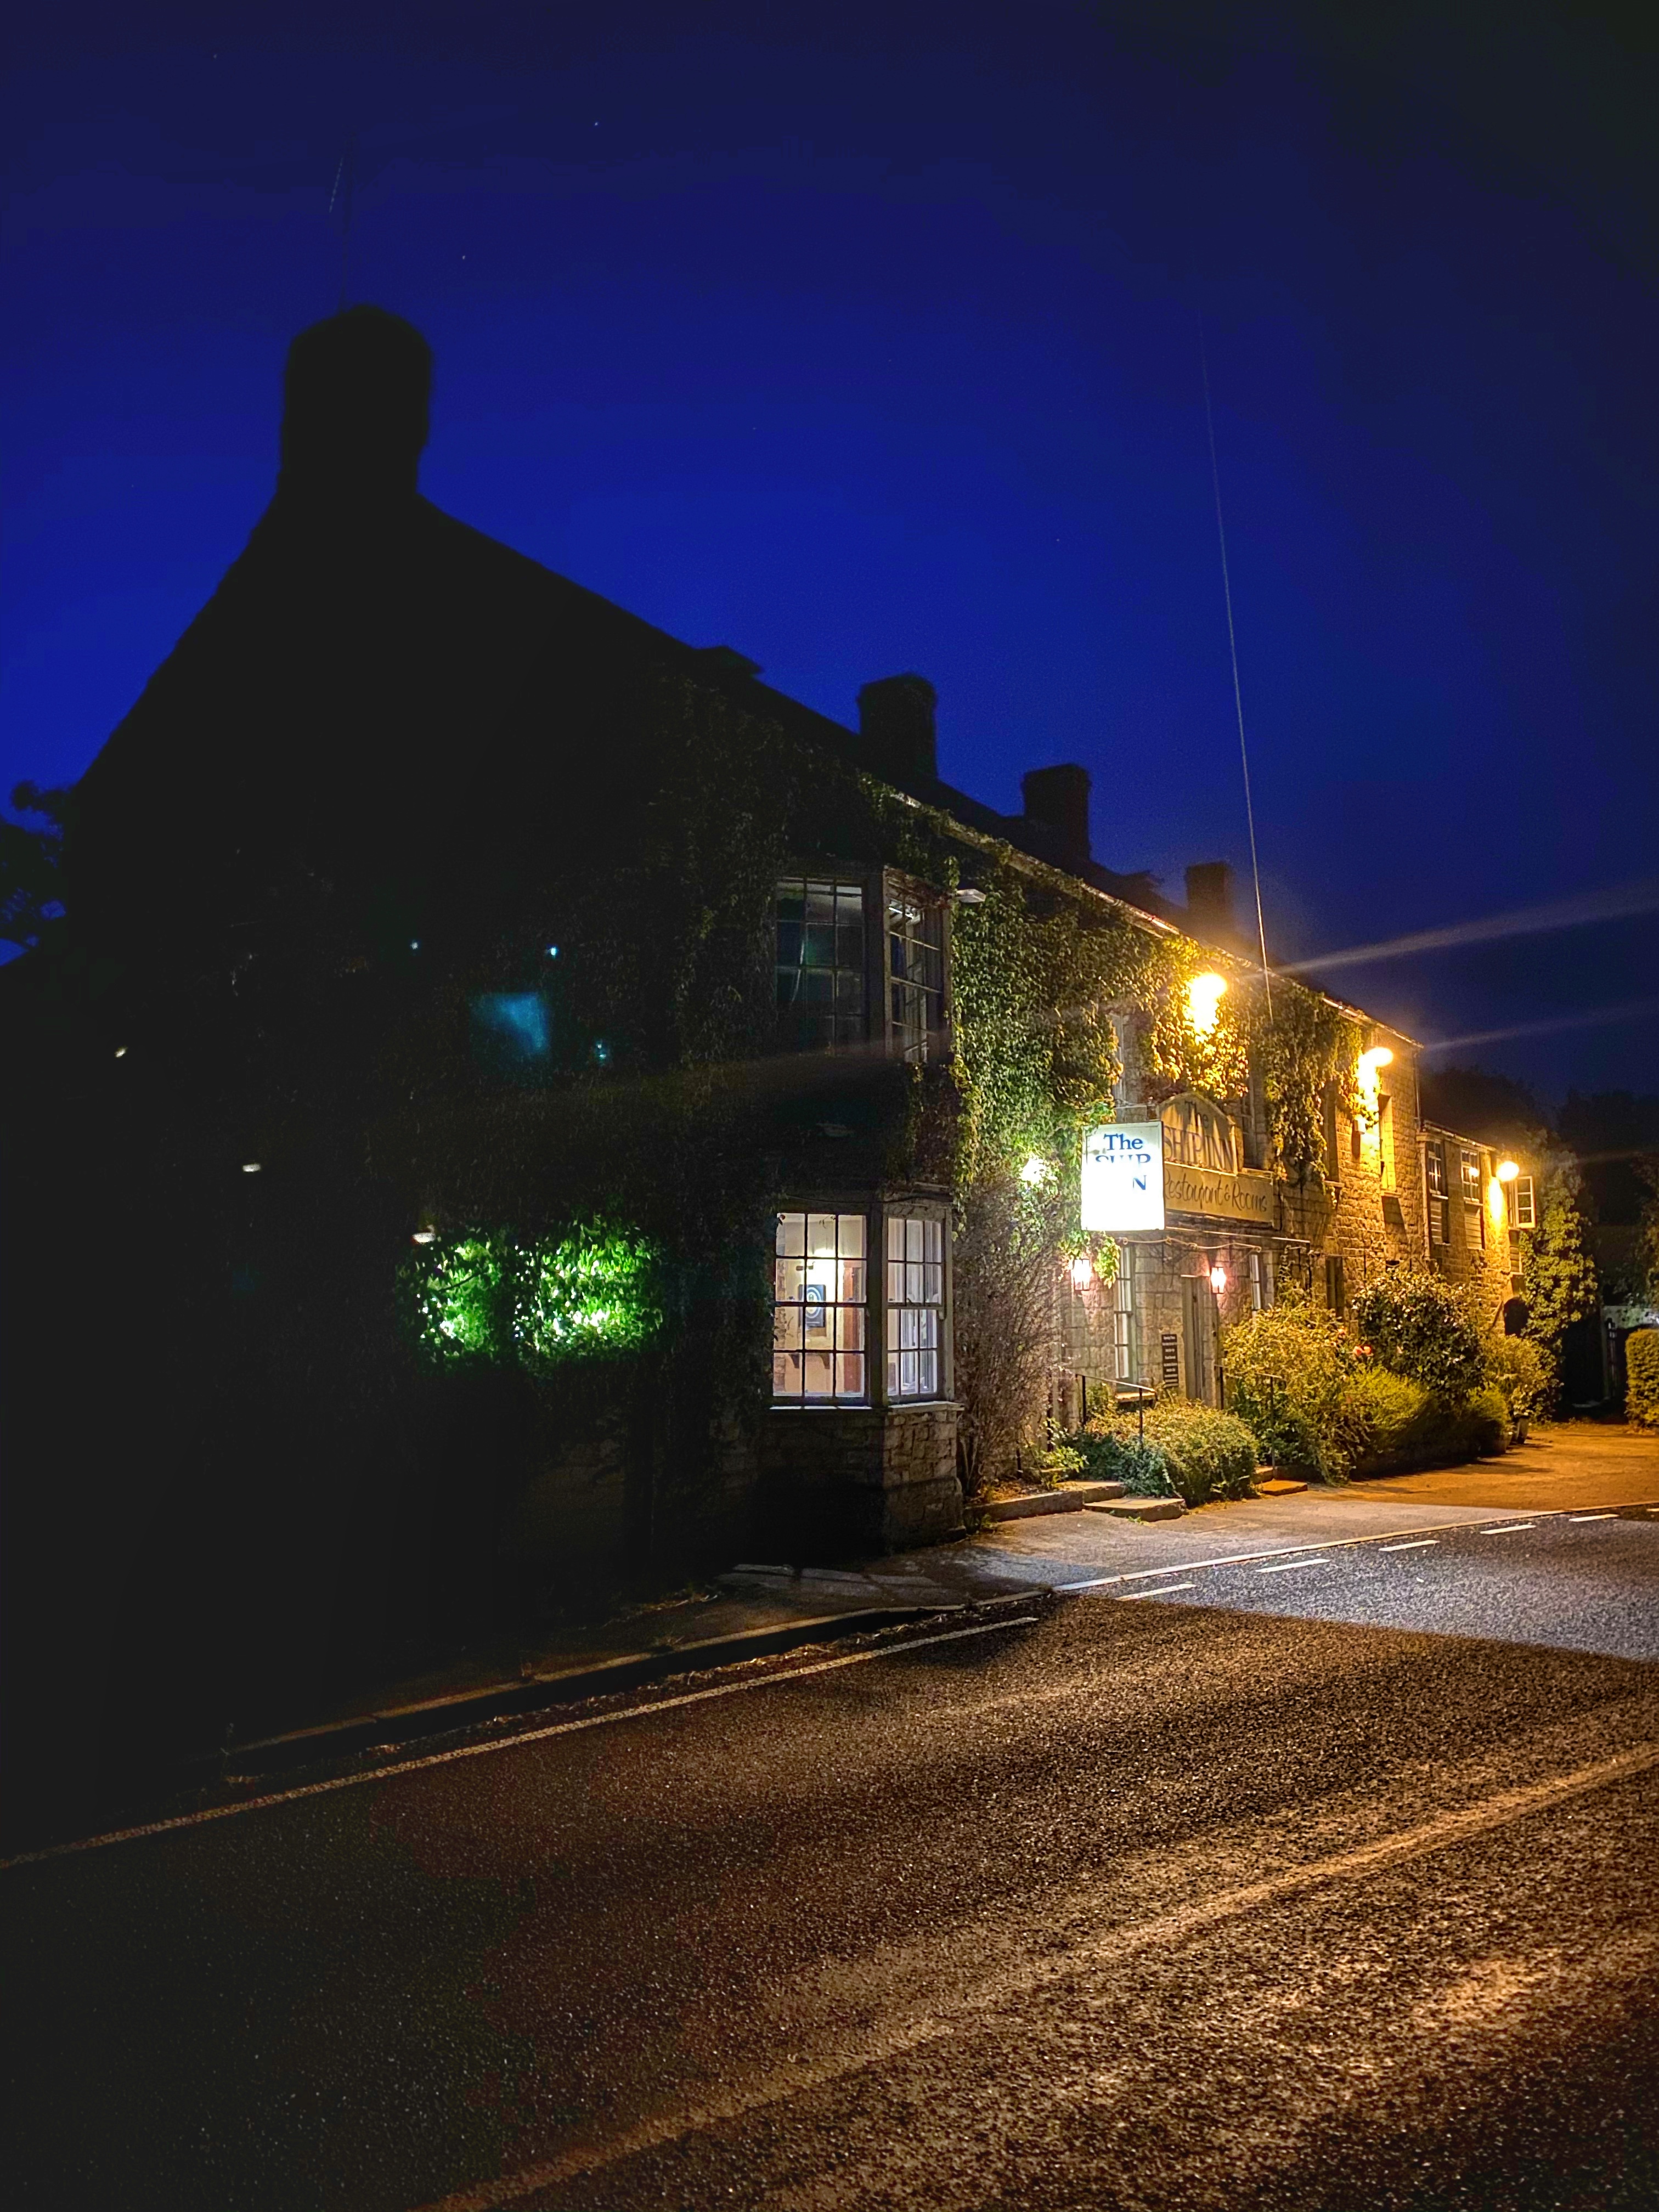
x=1210 y=899
x=1056 y=801
x=896 y=721
x=354 y=398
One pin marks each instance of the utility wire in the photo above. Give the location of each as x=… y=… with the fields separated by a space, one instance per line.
x=1232 y=647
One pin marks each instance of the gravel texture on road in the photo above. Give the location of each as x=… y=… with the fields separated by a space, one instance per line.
x=1228 y=1899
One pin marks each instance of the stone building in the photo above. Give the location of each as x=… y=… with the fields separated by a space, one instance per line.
x=448 y=905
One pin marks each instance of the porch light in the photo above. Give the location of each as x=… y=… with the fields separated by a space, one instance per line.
x=1083 y=1272
x=1508 y=1170
x=1218 y=1278
x=1204 y=994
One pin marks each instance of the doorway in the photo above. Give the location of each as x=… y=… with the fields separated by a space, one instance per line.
x=1198 y=1316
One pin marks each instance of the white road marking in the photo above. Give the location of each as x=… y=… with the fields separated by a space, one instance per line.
x=504 y=1743
x=1592 y=1516
x=1289 y=1566
x=1510 y=1528
x=1417 y=1543
x=1135 y=1597
x=803 y=2076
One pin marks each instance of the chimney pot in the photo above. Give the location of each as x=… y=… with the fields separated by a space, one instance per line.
x=896 y=723
x=1056 y=800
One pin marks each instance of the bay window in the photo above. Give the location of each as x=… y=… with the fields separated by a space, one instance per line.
x=837 y=1334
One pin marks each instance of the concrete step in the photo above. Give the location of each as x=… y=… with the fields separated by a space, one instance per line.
x=1070 y=1497
x=1140 y=1508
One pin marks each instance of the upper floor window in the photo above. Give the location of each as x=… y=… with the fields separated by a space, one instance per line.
x=1197 y=1134
x=915 y=969
x=1522 y=1203
x=818 y=927
x=1439 y=1193
x=1385 y=1140
x=1470 y=1165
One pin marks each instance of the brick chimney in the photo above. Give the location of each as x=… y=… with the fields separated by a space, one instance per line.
x=354 y=398
x=1056 y=801
x=1210 y=899
x=896 y=721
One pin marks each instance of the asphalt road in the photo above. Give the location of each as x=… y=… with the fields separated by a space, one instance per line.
x=1321 y=1888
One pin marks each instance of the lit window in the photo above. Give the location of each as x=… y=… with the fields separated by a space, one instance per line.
x=1469 y=1164
x=916 y=970
x=1524 y=1203
x=916 y=1305
x=818 y=1312
x=818 y=935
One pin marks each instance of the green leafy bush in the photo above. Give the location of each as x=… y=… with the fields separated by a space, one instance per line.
x=1642 y=1377
x=1190 y=1450
x=1420 y=1326
x=1288 y=1370
x=1390 y=1422
x=1061 y=1463
x=538 y=1302
x=1517 y=1369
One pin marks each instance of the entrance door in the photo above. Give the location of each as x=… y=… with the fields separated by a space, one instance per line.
x=1197 y=1318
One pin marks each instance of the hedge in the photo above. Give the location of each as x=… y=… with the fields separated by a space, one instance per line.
x=1642 y=1377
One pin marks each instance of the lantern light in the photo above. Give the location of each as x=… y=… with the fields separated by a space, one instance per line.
x=1204 y=994
x=1083 y=1272
x=1508 y=1170
x=1378 y=1056
x=1218 y=1278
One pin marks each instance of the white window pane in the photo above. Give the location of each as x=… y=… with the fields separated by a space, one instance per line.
x=791 y=1232
x=821 y=1234
x=850 y=1233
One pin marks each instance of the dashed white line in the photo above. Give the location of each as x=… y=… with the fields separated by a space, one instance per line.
x=1510 y=1528
x=1290 y=1566
x=1134 y=1597
x=1592 y=1516
x=1417 y=1543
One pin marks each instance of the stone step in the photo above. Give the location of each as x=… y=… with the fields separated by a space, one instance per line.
x=1275 y=1486
x=1070 y=1497
x=1140 y=1508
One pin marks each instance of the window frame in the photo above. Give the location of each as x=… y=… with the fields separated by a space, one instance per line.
x=875 y=1213
x=928 y=1262
x=841 y=882
x=904 y=1040
x=806 y=1214
x=1437 y=1190
x=1520 y=1216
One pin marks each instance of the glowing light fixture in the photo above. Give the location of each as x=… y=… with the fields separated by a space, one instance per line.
x=252 y=1167
x=1083 y=1271
x=1035 y=1172
x=970 y=894
x=424 y=1236
x=1204 y=994
x=552 y=951
x=120 y=1052
x=1378 y=1056
x=1218 y=1278
x=413 y=944
x=1508 y=1170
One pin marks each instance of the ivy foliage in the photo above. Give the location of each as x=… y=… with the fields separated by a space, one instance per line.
x=540 y=1302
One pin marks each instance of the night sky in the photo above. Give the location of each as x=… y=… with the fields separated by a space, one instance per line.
x=868 y=339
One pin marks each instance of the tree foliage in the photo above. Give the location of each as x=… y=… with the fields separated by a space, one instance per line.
x=1559 y=1275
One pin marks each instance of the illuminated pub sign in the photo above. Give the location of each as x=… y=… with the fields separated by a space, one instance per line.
x=1123 y=1176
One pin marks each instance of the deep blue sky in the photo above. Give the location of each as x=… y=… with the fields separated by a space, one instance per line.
x=866 y=339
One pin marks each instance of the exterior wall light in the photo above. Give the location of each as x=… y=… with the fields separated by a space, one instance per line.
x=1035 y=1172
x=1204 y=994
x=413 y=944
x=424 y=1236
x=120 y=1052
x=552 y=951
x=970 y=894
x=1082 y=1271
x=252 y=1167
x=1218 y=1278
x=1378 y=1056
x=1508 y=1170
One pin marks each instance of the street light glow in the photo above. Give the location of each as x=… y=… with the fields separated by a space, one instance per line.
x=1508 y=1170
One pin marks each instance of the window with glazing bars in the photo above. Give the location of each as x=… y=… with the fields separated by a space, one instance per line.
x=818 y=934
x=916 y=970
x=1522 y=1203
x=1439 y=1196
x=916 y=1305
x=819 y=1301
x=1123 y=1316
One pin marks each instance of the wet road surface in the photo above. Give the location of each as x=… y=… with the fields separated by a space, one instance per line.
x=1328 y=1887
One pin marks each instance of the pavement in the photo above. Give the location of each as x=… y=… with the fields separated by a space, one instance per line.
x=1170 y=1903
